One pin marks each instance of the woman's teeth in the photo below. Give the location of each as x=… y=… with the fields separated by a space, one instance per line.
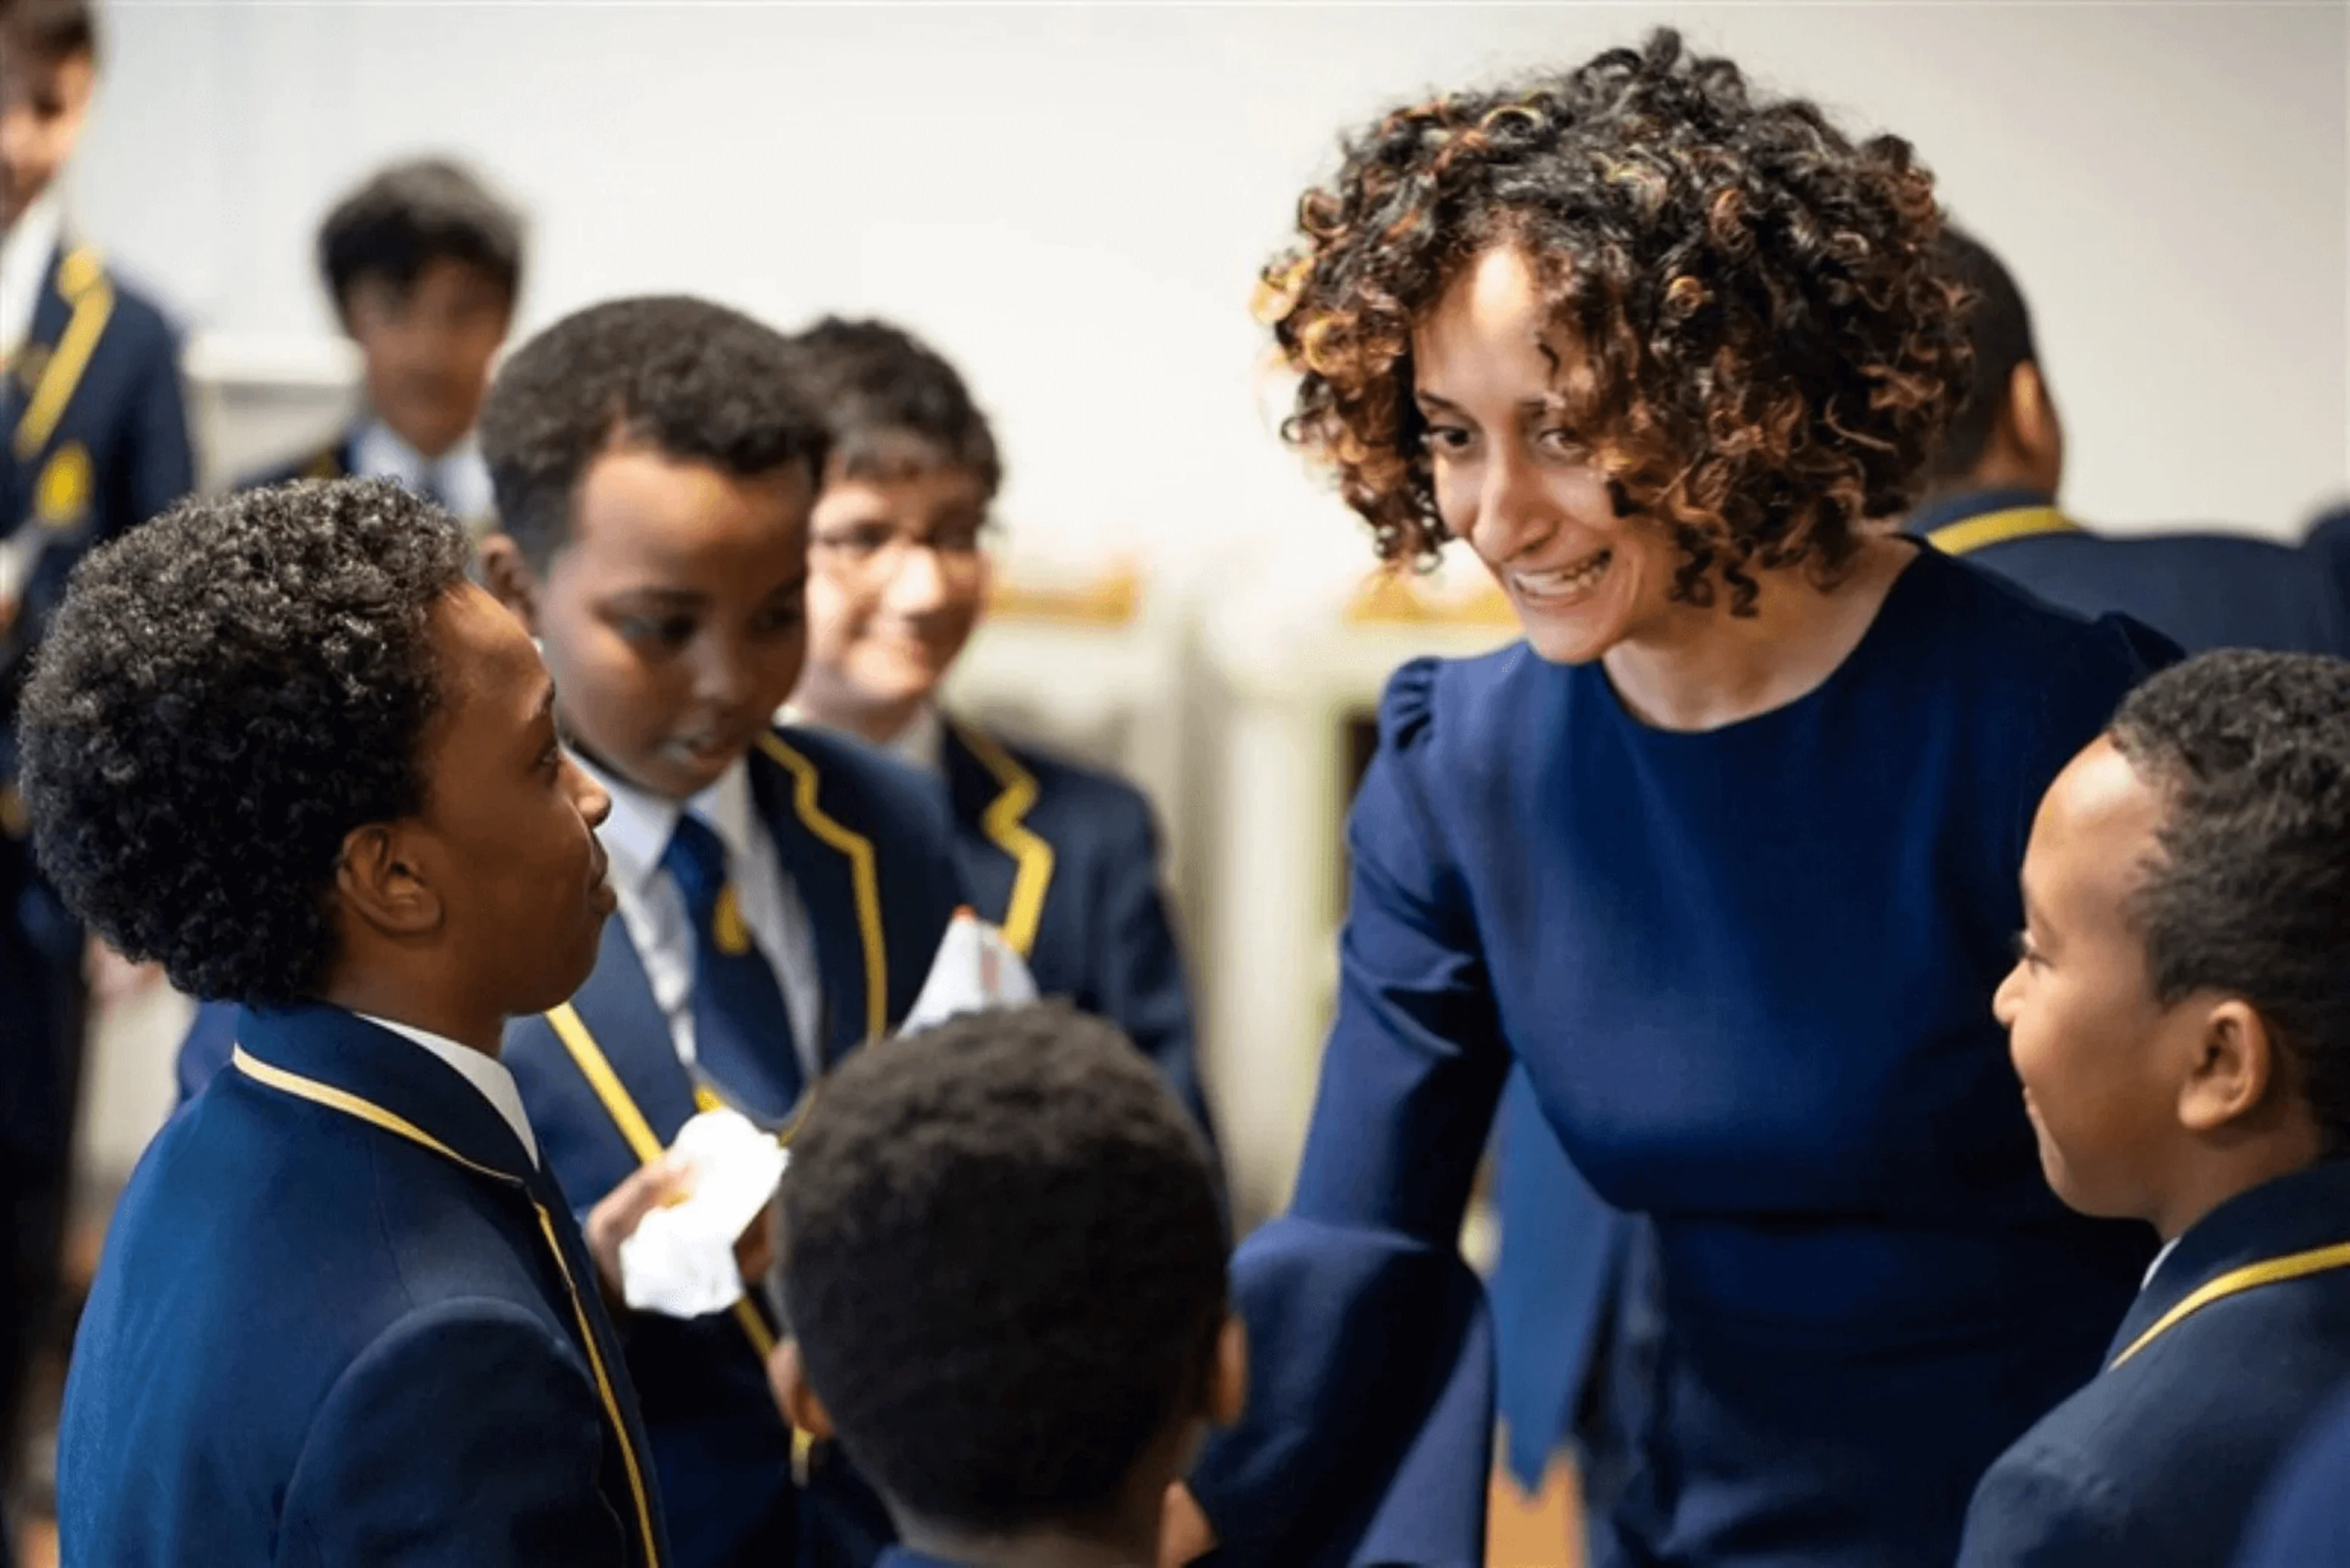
x=1560 y=582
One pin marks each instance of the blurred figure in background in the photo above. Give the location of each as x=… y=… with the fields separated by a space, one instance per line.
x=93 y=439
x=1992 y=496
x=424 y=263
x=1064 y=858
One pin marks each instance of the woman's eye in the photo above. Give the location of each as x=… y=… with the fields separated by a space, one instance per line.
x=1446 y=438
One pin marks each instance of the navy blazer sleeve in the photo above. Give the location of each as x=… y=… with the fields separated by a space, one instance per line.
x=469 y=1436
x=1143 y=982
x=1369 y=1334
x=2035 y=1509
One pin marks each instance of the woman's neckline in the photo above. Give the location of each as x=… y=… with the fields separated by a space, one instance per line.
x=1880 y=622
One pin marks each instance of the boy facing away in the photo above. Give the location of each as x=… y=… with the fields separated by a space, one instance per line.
x=1003 y=1265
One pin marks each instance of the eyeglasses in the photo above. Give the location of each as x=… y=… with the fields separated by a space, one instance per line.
x=876 y=552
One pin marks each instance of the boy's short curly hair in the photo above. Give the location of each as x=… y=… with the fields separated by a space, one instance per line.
x=1004 y=1261
x=1767 y=348
x=411 y=215
x=893 y=404
x=224 y=695
x=2251 y=752
x=690 y=379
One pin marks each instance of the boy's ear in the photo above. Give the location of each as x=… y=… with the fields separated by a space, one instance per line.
x=2032 y=429
x=1228 y=1379
x=510 y=580
x=2235 y=1067
x=378 y=881
x=787 y=1378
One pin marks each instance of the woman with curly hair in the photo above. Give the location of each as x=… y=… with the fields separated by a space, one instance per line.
x=1722 y=855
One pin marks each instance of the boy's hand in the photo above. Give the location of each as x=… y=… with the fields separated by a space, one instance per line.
x=1184 y=1532
x=616 y=1218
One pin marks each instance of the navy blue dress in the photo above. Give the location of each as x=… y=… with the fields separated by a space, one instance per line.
x=1748 y=974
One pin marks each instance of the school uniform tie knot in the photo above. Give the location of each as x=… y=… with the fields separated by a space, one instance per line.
x=742 y=1043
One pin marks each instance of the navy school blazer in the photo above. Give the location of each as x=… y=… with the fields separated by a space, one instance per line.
x=866 y=844
x=2205 y=590
x=2237 y=1341
x=343 y=1317
x=95 y=441
x=1065 y=858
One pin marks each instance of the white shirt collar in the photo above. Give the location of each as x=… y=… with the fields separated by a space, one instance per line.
x=27 y=248
x=2153 y=1268
x=636 y=835
x=462 y=475
x=485 y=1072
x=921 y=744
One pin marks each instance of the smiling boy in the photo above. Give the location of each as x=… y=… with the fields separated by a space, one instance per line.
x=2179 y=1015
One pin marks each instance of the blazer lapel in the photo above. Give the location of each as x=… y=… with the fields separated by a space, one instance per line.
x=626 y=1023
x=987 y=867
x=826 y=882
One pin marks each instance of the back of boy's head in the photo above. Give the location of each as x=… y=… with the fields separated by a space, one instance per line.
x=1004 y=1266
x=49 y=30
x=1999 y=327
x=895 y=406
x=412 y=214
x=2250 y=896
x=690 y=379
x=224 y=695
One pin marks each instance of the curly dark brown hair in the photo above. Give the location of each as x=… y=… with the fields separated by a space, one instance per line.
x=226 y=693
x=1766 y=348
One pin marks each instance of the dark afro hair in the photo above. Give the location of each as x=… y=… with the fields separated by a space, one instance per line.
x=2252 y=895
x=1004 y=1264
x=224 y=695
x=412 y=214
x=1760 y=350
x=690 y=379
x=50 y=31
x=894 y=405
x=1999 y=327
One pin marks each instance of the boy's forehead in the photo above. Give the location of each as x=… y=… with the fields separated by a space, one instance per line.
x=639 y=505
x=488 y=666
x=2099 y=821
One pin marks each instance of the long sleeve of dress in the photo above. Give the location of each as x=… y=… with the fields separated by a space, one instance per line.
x=1370 y=1415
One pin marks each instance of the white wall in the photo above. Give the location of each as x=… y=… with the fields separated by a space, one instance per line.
x=1073 y=200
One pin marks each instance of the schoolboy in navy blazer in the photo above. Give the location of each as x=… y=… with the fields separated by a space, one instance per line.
x=2178 y=1018
x=344 y=1315
x=1063 y=856
x=1992 y=499
x=654 y=471
x=423 y=263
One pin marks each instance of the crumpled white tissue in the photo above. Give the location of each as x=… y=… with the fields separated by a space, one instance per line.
x=976 y=968
x=680 y=1260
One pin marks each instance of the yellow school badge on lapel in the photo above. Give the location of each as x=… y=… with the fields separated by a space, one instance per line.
x=726 y=924
x=62 y=493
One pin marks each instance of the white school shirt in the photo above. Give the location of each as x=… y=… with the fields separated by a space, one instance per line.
x=485 y=1072
x=636 y=835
